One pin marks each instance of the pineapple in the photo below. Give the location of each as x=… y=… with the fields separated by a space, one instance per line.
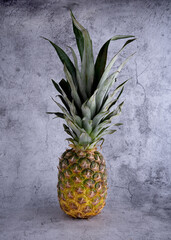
x=87 y=108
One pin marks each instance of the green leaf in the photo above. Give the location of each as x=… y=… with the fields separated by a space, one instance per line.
x=72 y=141
x=96 y=141
x=98 y=117
x=105 y=124
x=98 y=128
x=87 y=64
x=78 y=120
x=105 y=87
x=73 y=108
x=86 y=52
x=102 y=91
x=103 y=132
x=78 y=34
x=73 y=88
x=74 y=114
x=108 y=68
x=91 y=103
x=107 y=132
x=84 y=139
x=66 y=88
x=74 y=127
x=64 y=102
x=63 y=110
x=87 y=125
x=114 y=113
x=110 y=101
x=86 y=111
x=56 y=86
x=58 y=114
x=64 y=59
x=98 y=134
x=118 y=124
x=69 y=132
x=115 y=101
x=67 y=103
x=78 y=75
x=102 y=57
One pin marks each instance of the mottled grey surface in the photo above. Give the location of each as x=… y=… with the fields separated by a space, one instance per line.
x=138 y=155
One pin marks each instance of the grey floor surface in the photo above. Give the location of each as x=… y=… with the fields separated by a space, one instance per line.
x=51 y=223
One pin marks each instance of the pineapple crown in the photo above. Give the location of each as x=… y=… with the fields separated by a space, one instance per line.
x=87 y=105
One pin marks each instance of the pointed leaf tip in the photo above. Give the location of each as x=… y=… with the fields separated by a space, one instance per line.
x=64 y=58
x=102 y=58
x=77 y=29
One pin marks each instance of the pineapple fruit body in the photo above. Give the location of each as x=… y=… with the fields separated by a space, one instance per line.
x=82 y=183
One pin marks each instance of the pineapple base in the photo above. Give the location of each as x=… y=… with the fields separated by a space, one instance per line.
x=82 y=182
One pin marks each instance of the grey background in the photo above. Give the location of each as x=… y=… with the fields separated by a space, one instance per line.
x=138 y=155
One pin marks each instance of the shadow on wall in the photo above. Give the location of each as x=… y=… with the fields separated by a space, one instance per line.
x=8 y=2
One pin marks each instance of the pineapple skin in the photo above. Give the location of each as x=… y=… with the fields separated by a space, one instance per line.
x=82 y=182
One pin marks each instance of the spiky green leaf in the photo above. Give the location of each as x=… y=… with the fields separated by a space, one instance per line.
x=91 y=103
x=114 y=113
x=64 y=59
x=102 y=91
x=86 y=112
x=85 y=139
x=74 y=127
x=98 y=118
x=105 y=87
x=102 y=57
x=110 y=101
x=108 y=68
x=118 y=124
x=57 y=114
x=87 y=64
x=66 y=88
x=78 y=34
x=67 y=115
x=78 y=75
x=68 y=131
x=74 y=92
x=107 y=132
x=87 y=125
x=56 y=86
x=86 y=52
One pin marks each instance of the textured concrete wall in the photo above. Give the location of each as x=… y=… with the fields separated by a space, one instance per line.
x=138 y=155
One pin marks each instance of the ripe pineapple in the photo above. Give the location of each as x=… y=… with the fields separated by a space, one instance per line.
x=87 y=108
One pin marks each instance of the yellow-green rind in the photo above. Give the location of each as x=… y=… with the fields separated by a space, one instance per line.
x=82 y=183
